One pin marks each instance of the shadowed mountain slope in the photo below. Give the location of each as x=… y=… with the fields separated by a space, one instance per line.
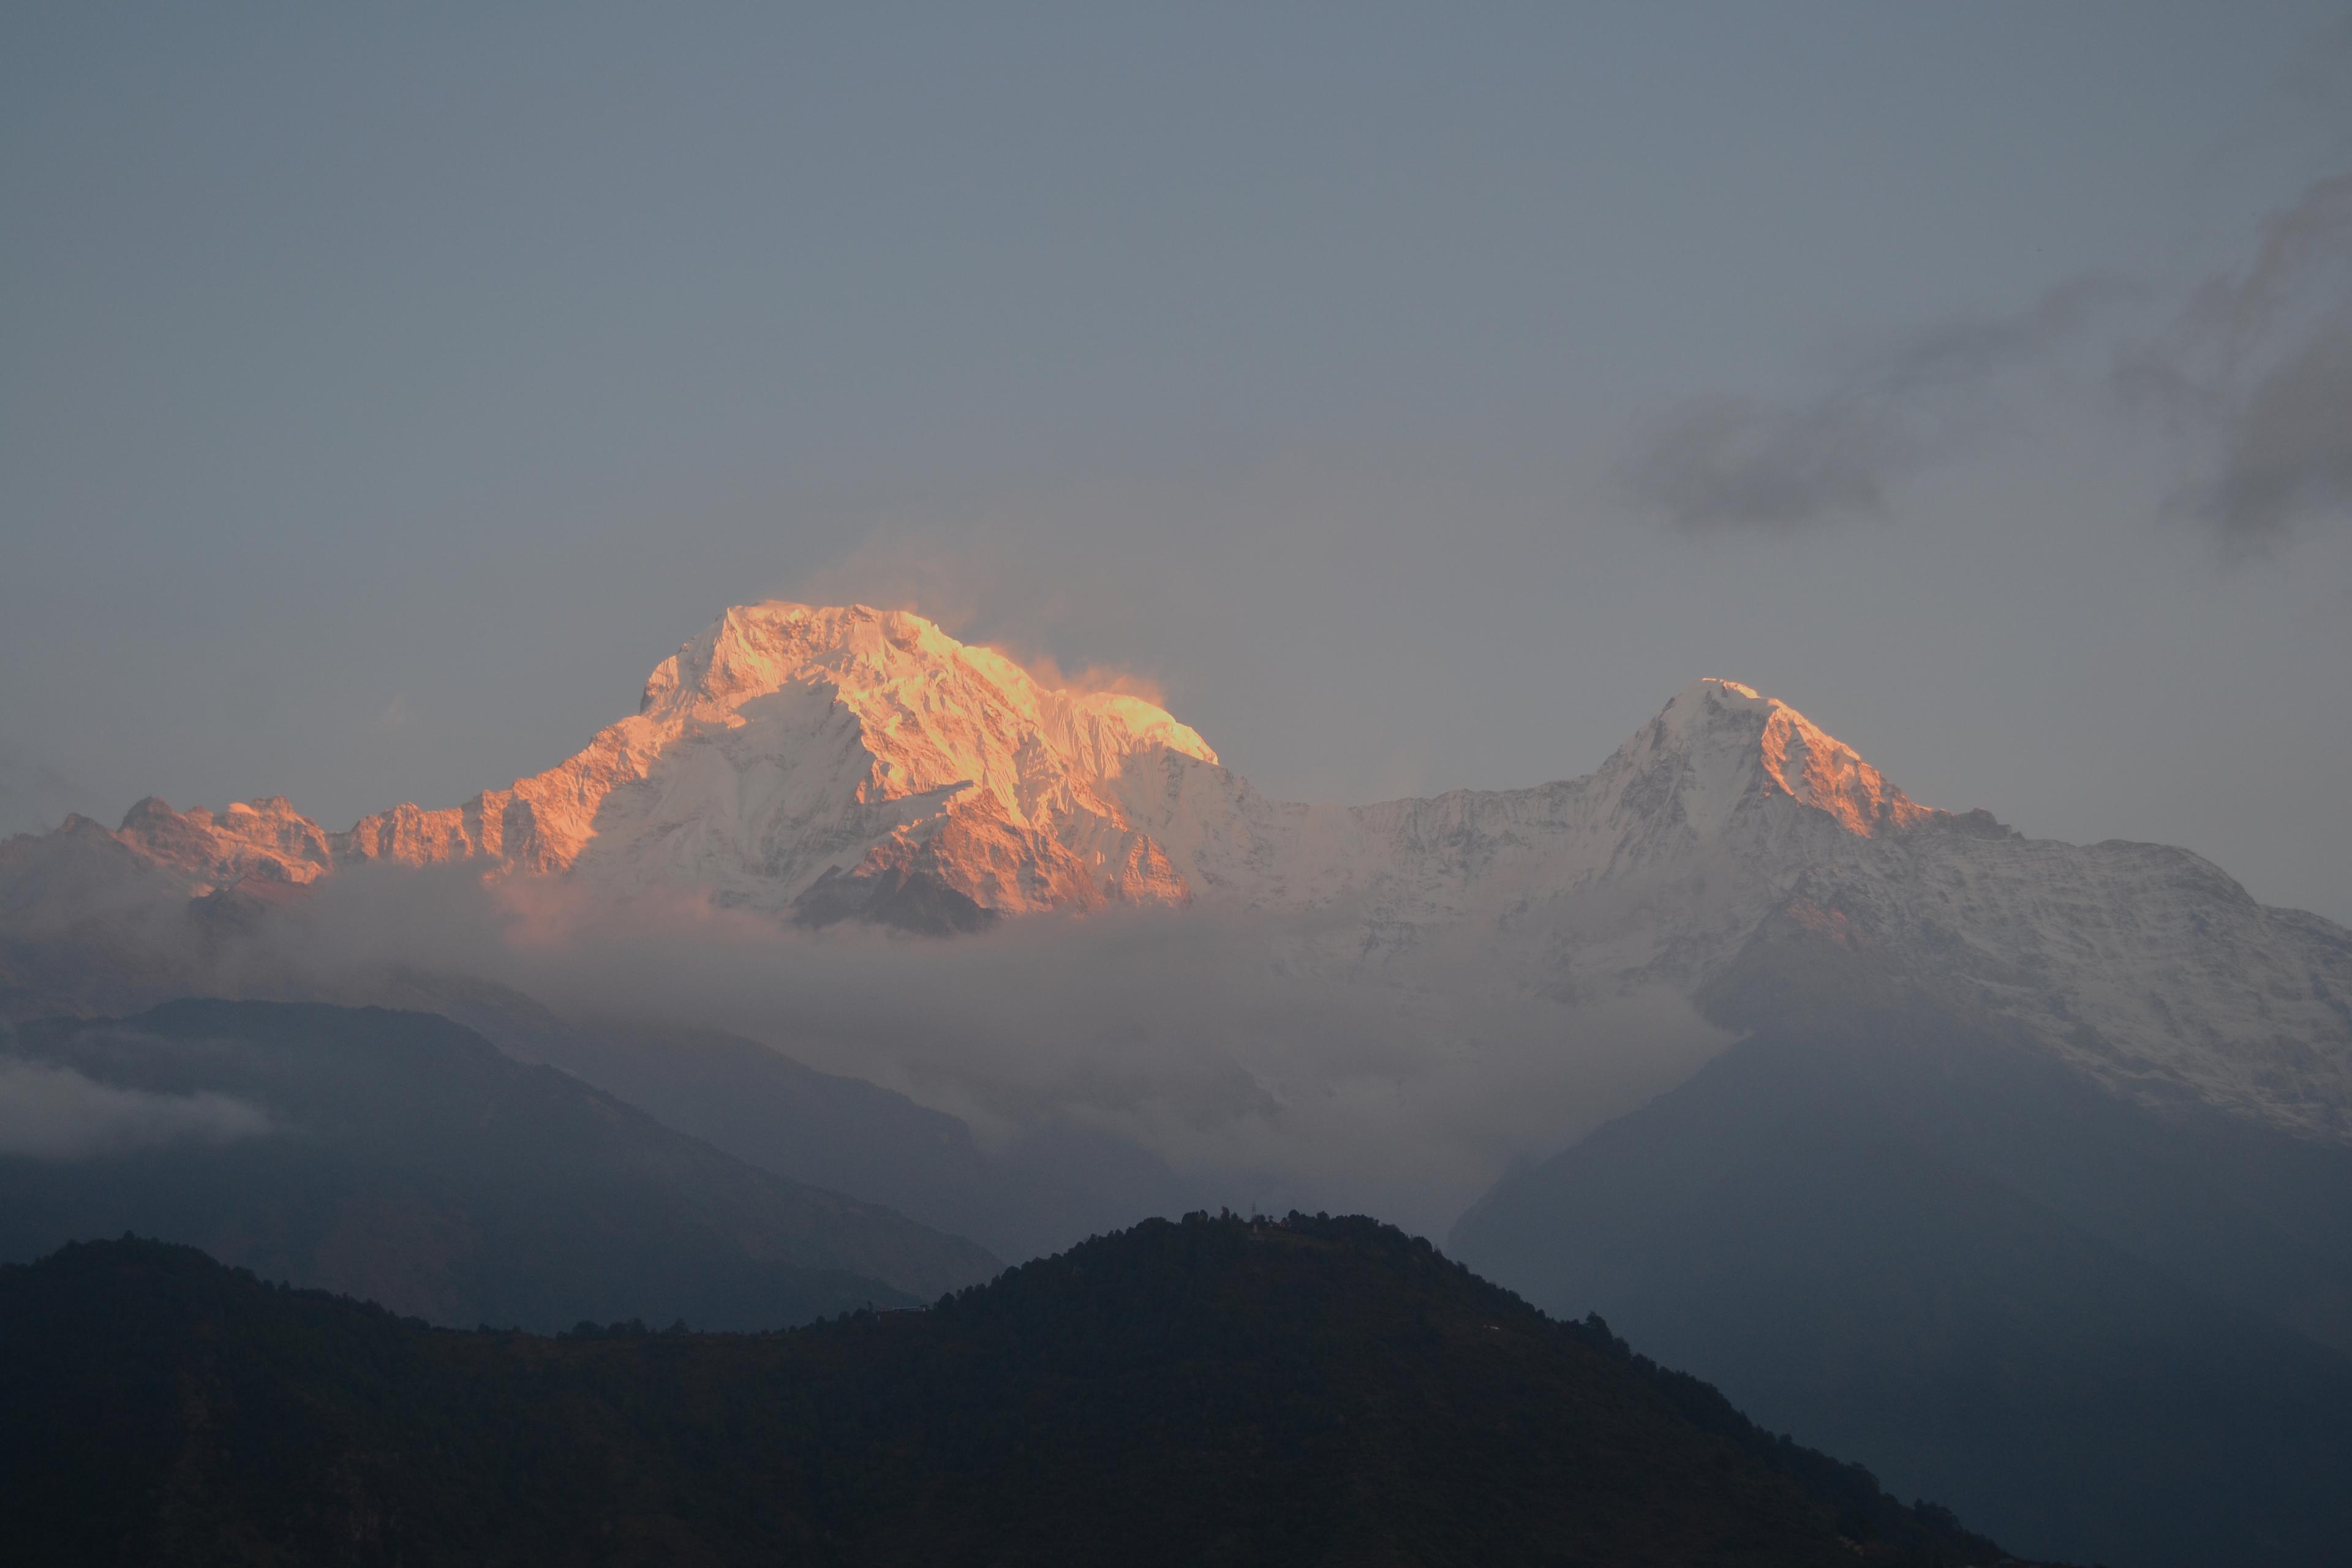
x=401 y=1157
x=2092 y=1327
x=1048 y=1190
x=1218 y=1391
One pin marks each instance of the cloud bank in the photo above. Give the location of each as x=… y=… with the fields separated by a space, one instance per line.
x=1243 y=1051
x=2254 y=379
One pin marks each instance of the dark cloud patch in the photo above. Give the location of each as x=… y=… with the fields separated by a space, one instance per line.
x=1720 y=463
x=1730 y=462
x=2255 y=381
x=1972 y=350
x=2287 y=453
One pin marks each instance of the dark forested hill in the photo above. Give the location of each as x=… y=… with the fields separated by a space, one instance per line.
x=1215 y=1391
x=402 y=1158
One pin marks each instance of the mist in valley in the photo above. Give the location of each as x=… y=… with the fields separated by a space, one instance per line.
x=1220 y=1044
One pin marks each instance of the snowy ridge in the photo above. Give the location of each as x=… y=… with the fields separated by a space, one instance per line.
x=821 y=763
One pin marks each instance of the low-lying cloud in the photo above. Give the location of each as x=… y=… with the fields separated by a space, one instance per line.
x=1249 y=1052
x=1721 y=463
x=52 y=1112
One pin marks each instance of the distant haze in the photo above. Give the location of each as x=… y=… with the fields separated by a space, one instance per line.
x=1414 y=399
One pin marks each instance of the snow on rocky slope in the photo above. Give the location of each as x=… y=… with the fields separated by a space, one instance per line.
x=825 y=763
x=787 y=751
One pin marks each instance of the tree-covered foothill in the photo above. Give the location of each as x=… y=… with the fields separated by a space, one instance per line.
x=1215 y=1391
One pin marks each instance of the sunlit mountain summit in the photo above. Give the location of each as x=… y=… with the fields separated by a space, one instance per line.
x=782 y=758
x=790 y=754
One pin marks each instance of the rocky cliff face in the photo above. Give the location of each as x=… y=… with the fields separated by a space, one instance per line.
x=848 y=762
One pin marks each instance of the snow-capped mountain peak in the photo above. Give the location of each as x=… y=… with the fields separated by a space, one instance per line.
x=789 y=745
x=918 y=690
x=808 y=760
x=1736 y=743
x=784 y=747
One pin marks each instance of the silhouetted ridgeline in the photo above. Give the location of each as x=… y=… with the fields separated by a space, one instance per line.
x=1217 y=1391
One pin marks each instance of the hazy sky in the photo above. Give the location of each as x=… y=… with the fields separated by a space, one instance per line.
x=1420 y=397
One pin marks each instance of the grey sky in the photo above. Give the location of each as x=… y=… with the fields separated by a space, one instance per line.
x=381 y=395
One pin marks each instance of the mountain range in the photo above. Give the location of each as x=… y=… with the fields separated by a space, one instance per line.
x=2019 y=1170
x=827 y=763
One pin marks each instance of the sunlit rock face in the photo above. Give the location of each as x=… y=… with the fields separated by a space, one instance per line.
x=822 y=765
x=835 y=762
x=266 y=840
x=785 y=746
